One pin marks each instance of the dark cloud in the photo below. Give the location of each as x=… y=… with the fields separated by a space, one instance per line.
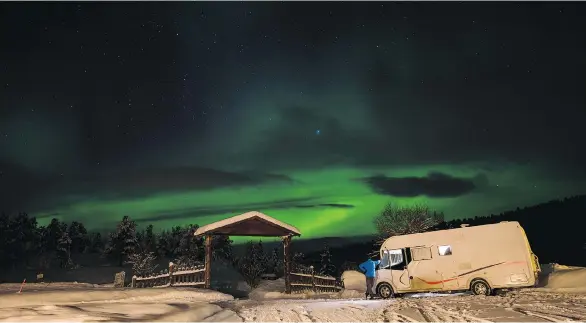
x=327 y=205
x=194 y=213
x=178 y=178
x=129 y=183
x=433 y=185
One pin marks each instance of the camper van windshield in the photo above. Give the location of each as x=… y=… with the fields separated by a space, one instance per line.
x=384 y=260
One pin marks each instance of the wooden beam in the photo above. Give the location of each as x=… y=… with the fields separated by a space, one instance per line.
x=208 y=261
x=287 y=259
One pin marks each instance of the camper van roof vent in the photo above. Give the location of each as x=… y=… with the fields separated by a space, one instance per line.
x=464 y=225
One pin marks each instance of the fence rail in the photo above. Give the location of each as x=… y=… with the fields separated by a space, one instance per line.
x=175 y=276
x=309 y=281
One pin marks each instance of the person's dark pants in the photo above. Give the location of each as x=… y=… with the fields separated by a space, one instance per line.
x=369 y=285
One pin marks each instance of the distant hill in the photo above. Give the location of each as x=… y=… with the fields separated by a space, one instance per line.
x=556 y=231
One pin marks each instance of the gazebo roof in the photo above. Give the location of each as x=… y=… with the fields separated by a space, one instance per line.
x=249 y=224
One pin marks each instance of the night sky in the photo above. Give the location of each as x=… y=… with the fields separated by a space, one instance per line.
x=315 y=113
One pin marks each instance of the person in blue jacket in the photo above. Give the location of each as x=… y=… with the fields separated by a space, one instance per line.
x=369 y=269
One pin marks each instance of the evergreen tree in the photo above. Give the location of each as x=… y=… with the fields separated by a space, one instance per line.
x=276 y=262
x=221 y=248
x=149 y=239
x=327 y=267
x=49 y=240
x=165 y=246
x=189 y=250
x=44 y=254
x=140 y=238
x=79 y=237
x=297 y=262
x=95 y=243
x=54 y=232
x=64 y=244
x=4 y=240
x=122 y=242
x=22 y=243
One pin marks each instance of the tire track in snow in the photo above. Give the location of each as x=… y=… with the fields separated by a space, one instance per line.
x=547 y=315
x=522 y=305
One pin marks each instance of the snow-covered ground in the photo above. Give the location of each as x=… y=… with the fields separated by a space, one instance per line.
x=527 y=305
x=562 y=297
x=108 y=304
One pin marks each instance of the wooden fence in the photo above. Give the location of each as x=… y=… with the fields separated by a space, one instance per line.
x=307 y=280
x=175 y=276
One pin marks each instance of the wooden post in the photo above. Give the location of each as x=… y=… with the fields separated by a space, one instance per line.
x=21 y=286
x=133 y=283
x=287 y=259
x=313 y=288
x=208 y=261
x=171 y=268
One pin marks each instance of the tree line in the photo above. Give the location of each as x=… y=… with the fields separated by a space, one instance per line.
x=555 y=230
x=26 y=244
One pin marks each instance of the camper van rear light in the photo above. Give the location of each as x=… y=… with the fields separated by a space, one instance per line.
x=519 y=278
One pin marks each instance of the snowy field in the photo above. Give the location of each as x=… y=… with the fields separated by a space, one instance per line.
x=562 y=298
x=519 y=306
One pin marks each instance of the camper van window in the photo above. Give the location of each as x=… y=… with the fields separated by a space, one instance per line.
x=444 y=250
x=396 y=256
x=421 y=253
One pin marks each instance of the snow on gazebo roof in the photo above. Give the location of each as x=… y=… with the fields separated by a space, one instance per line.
x=249 y=224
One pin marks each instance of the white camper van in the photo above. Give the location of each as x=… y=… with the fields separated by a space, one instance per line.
x=480 y=258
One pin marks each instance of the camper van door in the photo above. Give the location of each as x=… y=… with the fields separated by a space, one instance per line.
x=394 y=270
x=424 y=270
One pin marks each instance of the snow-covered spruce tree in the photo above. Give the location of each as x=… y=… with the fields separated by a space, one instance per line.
x=297 y=263
x=149 y=239
x=95 y=243
x=189 y=249
x=79 y=237
x=221 y=248
x=64 y=244
x=327 y=267
x=123 y=242
x=276 y=262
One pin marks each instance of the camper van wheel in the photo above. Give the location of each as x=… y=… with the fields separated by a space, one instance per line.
x=480 y=287
x=385 y=290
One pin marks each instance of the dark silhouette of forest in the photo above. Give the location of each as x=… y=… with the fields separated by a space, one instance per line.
x=63 y=251
x=27 y=247
x=555 y=230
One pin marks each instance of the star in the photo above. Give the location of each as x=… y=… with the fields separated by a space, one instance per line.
x=318 y=132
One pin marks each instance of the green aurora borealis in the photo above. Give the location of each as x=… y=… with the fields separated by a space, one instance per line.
x=347 y=205
x=315 y=113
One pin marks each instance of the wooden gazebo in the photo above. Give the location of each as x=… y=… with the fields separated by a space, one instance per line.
x=249 y=224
